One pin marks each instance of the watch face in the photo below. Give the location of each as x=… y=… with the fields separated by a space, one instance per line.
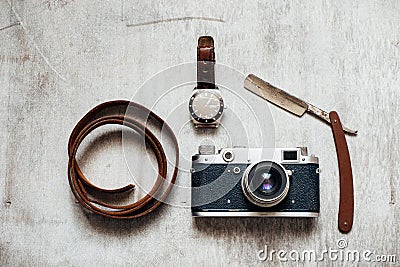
x=206 y=106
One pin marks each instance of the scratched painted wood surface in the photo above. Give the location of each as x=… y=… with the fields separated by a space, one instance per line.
x=60 y=58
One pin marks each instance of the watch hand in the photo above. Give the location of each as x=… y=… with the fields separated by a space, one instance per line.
x=209 y=101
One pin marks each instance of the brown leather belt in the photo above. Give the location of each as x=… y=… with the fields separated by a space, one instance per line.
x=115 y=112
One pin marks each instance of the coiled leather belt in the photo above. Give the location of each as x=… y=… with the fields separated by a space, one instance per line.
x=115 y=112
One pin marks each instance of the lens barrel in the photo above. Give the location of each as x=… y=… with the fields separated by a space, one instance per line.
x=265 y=184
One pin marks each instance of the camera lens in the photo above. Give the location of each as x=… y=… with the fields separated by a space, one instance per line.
x=268 y=183
x=265 y=184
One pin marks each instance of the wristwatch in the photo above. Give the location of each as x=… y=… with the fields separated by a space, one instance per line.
x=206 y=104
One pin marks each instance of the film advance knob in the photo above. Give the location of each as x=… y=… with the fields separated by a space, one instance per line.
x=206 y=150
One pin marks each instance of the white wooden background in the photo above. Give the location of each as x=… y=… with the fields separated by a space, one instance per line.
x=59 y=58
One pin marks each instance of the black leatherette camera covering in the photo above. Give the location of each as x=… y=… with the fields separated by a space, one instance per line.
x=303 y=195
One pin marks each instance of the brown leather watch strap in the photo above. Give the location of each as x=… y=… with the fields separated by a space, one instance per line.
x=346 y=205
x=115 y=112
x=205 y=63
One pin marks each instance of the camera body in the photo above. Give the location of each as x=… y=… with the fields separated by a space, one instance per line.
x=259 y=182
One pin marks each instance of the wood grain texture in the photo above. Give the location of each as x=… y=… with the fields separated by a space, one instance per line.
x=67 y=56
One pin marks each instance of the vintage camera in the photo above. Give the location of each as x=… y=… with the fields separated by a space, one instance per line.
x=244 y=182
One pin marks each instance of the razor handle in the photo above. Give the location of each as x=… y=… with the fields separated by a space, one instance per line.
x=346 y=204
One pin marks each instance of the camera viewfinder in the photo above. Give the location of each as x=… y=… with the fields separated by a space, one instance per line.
x=290 y=155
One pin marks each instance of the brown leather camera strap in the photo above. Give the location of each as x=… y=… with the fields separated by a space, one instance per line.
x=115 y=112
x=205 y=63
x=346 y=205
